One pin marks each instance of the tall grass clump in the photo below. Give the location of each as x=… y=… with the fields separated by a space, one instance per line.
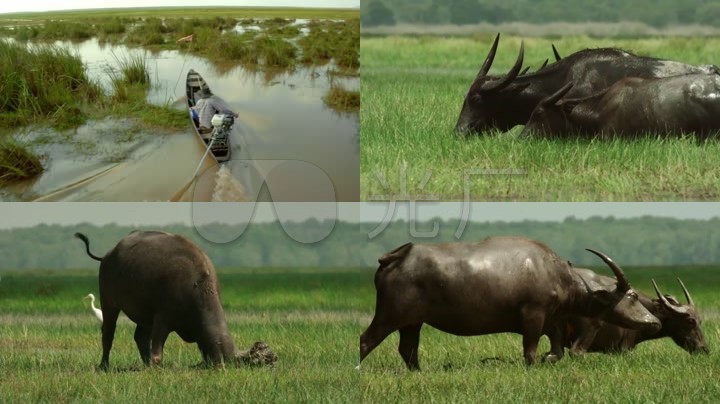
x=65 y=30
x=332 y=40
x=42 y=82
x=275 y=52
x=111 y=26
x=347 y=51
x=17 y=162
x=130 y=78
x=317 y=46
x=342 y=99
x=149 y=32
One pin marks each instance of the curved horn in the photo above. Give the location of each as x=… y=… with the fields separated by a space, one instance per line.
x=512 y=74
x=622 y=281
x=525 y=70
x=687 y=294
x=555 y=97
x=555 y=52
x=664 y=300
x=489 y=59
x=544 y=64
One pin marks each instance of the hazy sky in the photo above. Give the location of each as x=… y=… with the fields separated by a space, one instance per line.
x=147 y=214
x=11 y=6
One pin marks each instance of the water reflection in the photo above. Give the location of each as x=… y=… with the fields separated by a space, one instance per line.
x=282 y=115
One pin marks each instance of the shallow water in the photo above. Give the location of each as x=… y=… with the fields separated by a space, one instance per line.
x=281 y=117
x=112 y=160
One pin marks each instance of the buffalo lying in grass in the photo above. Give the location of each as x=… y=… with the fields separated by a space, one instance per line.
x=633 y=107
x=681 y=322
x=164 y=282
x=500 y=284
x=499 y=103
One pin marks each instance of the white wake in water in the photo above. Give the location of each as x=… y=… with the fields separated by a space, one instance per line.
x=227 y=187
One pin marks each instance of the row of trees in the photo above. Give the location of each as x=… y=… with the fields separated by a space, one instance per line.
x=638 y=241
x=657 y=13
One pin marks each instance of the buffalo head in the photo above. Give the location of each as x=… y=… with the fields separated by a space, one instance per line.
x=551 y=117
x=619 y=303
x=485 y=104
x=681 y=322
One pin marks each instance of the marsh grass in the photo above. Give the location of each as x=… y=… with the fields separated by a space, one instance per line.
x=341 y=99
x=214 y=37
x=274 y=52
x=332 y=40
x=41 y=82
x=413 y=89
x=17 y=162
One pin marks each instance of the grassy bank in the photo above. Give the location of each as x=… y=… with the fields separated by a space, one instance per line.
x=52 y=341
x=413 y=89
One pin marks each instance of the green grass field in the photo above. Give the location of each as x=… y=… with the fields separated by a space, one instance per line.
x=310 y=318
x=412 y=92
x=455 y=369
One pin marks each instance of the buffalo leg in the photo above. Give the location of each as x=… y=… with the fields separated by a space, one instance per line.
x=584 y=341
x=110 y=317
x=556 y=344
x=532 y=331
x=408 y=348
x=159 y=336
x=142 y=339
x=373 y=336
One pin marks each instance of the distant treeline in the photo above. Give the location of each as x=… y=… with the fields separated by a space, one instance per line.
x=657 y=13
x=638 y=241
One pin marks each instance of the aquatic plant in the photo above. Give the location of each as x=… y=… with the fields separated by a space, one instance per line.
x=275 y=52
x=17 y=162
x=341 y=99
x=42 y=81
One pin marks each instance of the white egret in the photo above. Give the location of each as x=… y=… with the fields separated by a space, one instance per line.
x=96 y=311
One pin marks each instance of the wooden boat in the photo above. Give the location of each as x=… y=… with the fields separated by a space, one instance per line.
x=221 y=145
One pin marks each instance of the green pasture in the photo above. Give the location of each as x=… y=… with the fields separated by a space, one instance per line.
x=413 y=89
x=310 y=318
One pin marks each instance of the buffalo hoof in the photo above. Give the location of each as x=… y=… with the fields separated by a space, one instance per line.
x=550 y=358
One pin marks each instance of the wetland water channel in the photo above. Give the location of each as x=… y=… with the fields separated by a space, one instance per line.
x=285 y=136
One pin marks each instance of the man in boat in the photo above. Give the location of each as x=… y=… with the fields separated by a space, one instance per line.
x=207 y=106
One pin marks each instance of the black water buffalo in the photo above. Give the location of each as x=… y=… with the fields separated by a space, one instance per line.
x=500 y=284
x=502 y=102
x=633 y=107
x=681 y=322
x=163 y=282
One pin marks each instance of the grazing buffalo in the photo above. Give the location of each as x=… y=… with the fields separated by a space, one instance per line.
x=499 y=103
x=633 y=107
x=681 y=322
x=164 y=283
x=500 y=284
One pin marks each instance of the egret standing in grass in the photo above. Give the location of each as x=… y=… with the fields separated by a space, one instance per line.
x=96 y=311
